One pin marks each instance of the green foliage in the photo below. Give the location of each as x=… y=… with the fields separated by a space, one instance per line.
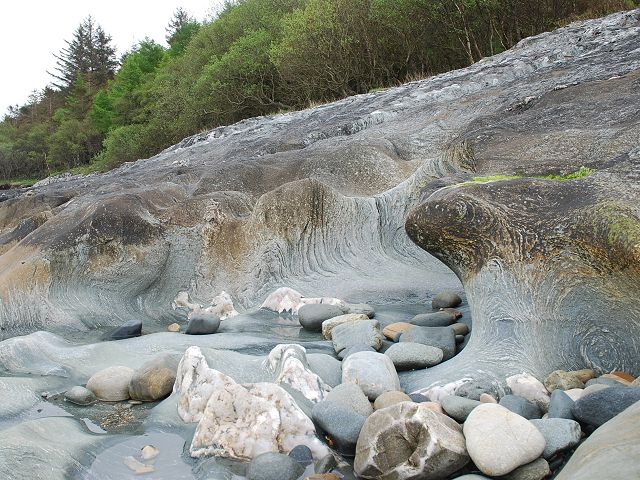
x=580 y=173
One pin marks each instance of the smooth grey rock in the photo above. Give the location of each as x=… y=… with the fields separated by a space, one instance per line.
x=326 y=464
x=390 y=398
x=331 y=323
x=521 y=406
x=409 y=441
x=154 y=379
x=599 y=407
x=446 y=299
x=410 y=356
x=611 y=382
x=373 y=372
x=364 y=308
x=418 y=397
x=536 y=470
x=363 y=332
x=436 y=319
x=273 y=466
x=352 y=396
x=130 y=329
x=302 y=454
x=111 y=384
x=311 y=316
x=560 y=405
x=339 y=424
x=355 y=349
x=611 y=452
x=80 y=396
x=202 y=323
x=326 y=367
x=460 y=329
x=440 y=337
x=559 y=434
x=458 y=408
x=499 y=441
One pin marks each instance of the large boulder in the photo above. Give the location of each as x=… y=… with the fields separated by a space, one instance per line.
x=350 y=395
x=154 y=379
x=407 y=441
x=373 y=372
x=359 y=332
x=559 y=434
x=339 y=425
x=599 y=407
x=111 y=384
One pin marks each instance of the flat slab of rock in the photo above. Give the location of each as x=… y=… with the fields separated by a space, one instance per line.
x=499 y=441
x=361 y=332
x=111 y=384
x=409 y=441
x=440 y=337
x=373 y=372
x=559 y=434
x=130 y=329
x=330 y=324
x=599 y=407
x=311 y=316
x=154 y=379
x=413 y=356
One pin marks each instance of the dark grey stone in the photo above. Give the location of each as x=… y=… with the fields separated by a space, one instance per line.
x=326 y=464
x=521 y=406
x=328 y=368
x=559 y=434
x=80 y=396
x=560 y=405
x=274 y=466
x=446 y=299
x=459 y=340
x=130 y=329
x=418 y=397
x=441 y=337
x=436 y=319
x=302 y=454
x=311 y=316
x=354 y=349
x=202 y=324
x=599 y=407
x=339 y=424
x=351 y=395
x=458 y=408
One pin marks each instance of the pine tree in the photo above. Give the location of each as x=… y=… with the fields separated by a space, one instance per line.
x=180 y=19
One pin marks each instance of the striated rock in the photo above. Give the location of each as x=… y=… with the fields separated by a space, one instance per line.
x=390 y=398
x=339 y=425
x=409 y=441
x=599 y=407
x=330 y=324
x=394 y=330
x=373 y=372
x=458 y=408
x=286 y=299
x=559 y=434
x=499 y=441
x=273 y=466
x=351 y=395
x=611 y=452
x=446 y=299
x=154 y=379
x=130 y=329
x=409 y=356
x=111 y=384
x=439 y=337
x=360 y=332
x=311 y=316
x=521 y=406
x=80 y=396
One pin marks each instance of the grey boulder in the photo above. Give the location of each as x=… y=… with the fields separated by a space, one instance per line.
x=273 y=466
x=521 y=406
x=412 y=356
x=111 y=384
x=372 y=371
x=338 y=424
x=443 y=338
x=363 y=332
x=446 y=299
x=311 y=316
x=599 y=407
x=559 y=434
x=436 y=319
x=202 y=323
x=560 y=405
x=458 y=408
x=351 y=395
x=130 y=329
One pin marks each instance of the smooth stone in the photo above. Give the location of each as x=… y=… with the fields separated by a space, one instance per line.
x=596 y=387
x=149 y=452
x=529 y=387
x=339 y=425
x=599 y=407
x=608 y=381
x=363 y=308
x=439 y=337
x=394 y=330
x=302 y=454
x=137 y=466
x=409 y=441
x=312 y=315
x=154 y=379
x=390 y=398
x=460 y=328
x=80 y=396
x=352 y=396
x=563 y=380
x=521 y=406
x=363 y=332
x=373 y=372
x=130 y=329
x=486 y=398
x=435 y=319
x=355 y=349
x=328 y=368
x=413 y=356
x=617 y=378
x=202 y=323
x=434 y=407
x=474 y=388
x=174 y=327
x=458 y=408
x=536 y=470
x=575 y=393
x=560 y=405
x=636 y=382
x=611 y=452
x=111 y=384
x=459 y=339
x=273 y=466
x=330 y=324
x=559 y=434
x=418 y=397
x=446 y=299
x=499 y=441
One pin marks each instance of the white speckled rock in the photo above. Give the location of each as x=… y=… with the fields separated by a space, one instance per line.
x=289 y=361
x=195 y=382
x=287 y=299
x=529 y=387
x=244 y=421
x=499 y=441
x=409 y=441
x=330 y=324
x=372 y=371
x=111 y=384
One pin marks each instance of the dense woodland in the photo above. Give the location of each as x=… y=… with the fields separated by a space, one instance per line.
x=256 y=57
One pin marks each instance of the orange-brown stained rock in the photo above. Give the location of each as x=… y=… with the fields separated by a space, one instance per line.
x=624 y=376
x=394 y=330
